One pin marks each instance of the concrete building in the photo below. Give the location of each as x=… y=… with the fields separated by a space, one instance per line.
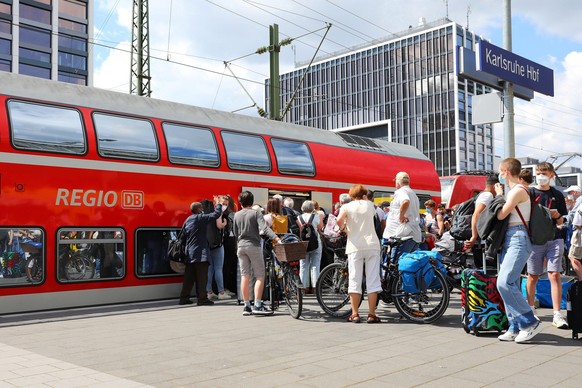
x=405 y=88
x=47 y=39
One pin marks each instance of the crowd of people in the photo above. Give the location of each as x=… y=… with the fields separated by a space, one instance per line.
x=365 y=224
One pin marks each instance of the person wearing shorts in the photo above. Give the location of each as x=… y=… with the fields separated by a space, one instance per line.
x=248 y=226
x=553 y=250
x=575 y=252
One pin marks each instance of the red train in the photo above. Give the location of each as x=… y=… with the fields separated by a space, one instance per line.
x=94 y=183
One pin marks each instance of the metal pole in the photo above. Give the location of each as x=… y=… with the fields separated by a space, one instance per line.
x=274 y=88
x=509 y=114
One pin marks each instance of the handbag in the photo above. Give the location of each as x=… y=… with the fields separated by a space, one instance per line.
x=177 y=248
x=403 y=230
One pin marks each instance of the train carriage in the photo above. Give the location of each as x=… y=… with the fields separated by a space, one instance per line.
x=94 y=183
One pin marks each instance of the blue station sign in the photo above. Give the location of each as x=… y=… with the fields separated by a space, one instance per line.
x=513 y=68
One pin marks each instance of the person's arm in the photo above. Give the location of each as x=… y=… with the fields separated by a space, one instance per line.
x=479 y=207
x=514 y=198
x=220 y=222
x=263 y=227
x=342 y=219
x=441 y=223
x=404 y=205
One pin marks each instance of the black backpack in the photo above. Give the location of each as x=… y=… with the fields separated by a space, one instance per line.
x=461 y=222
x=377 y=224
x=214 y=235
x=308 y=233
x=292 y=217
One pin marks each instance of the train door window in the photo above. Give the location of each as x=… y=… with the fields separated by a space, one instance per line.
x=90 y=254
x=125 y=137
x=152 y=251
x=46 y=128
x=191 y=145
x=293 y=157
x=22 y=256
x=246 y=152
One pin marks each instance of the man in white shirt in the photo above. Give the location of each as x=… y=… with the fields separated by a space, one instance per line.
x=404 y=217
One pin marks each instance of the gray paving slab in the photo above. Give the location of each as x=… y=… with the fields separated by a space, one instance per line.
x=163 y=345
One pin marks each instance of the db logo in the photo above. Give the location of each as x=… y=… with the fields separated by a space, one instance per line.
x=132 y=199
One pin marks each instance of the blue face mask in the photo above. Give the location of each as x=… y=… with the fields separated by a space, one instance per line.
x=502 y=180
x=428 y=210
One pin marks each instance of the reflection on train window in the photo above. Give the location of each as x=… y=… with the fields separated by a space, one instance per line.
x=191 y=145
x=46 y=128
x=152 y=251
x=90 y=254
x=21 y=256
x=125 y=137
x=293 y=157
x=246 y=152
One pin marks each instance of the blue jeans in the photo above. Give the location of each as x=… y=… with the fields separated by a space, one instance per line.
x=216 y=261
x=310 y=266
x=516 y=249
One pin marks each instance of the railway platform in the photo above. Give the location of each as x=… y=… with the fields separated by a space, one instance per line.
x=161 y=344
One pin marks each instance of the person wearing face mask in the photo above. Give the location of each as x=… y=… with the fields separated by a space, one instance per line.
x=553 y=250
x=216 y=258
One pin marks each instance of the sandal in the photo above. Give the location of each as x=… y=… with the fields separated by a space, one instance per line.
x=355 y=318
x=373 y=319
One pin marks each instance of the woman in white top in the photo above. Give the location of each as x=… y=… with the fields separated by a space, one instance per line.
x=523 y=325
x=363 y=249
x=309 y=267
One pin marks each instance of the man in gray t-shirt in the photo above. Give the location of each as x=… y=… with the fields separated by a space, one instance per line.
x=248 y=226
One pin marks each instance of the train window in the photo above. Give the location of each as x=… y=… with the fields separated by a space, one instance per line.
x=21 y=256
x=246 y=152
x=125 y=137
x=46 y=128
x=152 y=251
x=88 y=255
x=293 y=157
x=191 y=145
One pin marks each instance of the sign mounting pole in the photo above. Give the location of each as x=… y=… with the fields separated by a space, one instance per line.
x=508 y=117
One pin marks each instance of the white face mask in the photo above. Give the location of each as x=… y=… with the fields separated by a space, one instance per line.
x=542 y=180
x=570 y=197
x=224 y=207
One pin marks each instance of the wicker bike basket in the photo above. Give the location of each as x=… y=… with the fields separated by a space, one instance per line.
x=291 y=251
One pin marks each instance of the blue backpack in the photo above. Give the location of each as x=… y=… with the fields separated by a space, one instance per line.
x=417 y=271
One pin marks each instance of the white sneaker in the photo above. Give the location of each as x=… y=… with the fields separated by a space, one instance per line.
x=228 y=292
x=223 y=296
x=529 y=333
x=507 y=336
x=559 y=321
x=212 y=296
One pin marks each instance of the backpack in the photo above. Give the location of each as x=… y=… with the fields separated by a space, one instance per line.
x=280 y=223
x=377 y=224
x=292 y=220
x=214 y=235
x=308 y=233
x=541 y=227
x=461 y=222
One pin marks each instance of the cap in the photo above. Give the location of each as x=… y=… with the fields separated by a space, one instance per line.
x=573 y=188
x=385 y=204
x=402 y=175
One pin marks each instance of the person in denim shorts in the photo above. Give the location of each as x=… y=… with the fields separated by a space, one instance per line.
x=553 y=250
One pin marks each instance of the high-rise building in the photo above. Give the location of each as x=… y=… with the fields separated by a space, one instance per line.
x=404 y=88
x=47 y=39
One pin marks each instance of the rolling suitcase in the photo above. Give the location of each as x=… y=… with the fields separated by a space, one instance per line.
x=574 y=308
x=482 y=308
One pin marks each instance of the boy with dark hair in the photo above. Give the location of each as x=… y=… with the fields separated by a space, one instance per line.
x=553 y=250
x=248 y=226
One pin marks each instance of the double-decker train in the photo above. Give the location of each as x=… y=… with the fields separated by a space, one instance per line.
x=94 y=183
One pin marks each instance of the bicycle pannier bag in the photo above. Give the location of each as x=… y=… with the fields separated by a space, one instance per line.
x=177 y=248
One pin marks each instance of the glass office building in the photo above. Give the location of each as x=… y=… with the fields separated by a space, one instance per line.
x=404 y=89
x=47 y=39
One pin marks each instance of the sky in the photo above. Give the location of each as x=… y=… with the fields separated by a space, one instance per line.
x=190 y=41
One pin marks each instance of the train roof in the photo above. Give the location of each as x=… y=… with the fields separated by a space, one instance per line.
x=83 y=96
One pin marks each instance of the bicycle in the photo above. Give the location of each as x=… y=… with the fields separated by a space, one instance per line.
x=282 y=278
x=79 y=264
x=425 y=306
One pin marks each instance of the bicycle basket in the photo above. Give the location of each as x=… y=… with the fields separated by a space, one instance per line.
x=292 y=251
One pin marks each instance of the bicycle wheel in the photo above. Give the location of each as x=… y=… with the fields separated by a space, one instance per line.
x=271 y=283
x=292 y=293
x=425 y=306
x=331 y=290
x=80 y=266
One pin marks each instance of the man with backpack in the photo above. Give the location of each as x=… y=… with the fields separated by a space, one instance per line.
x=481 y=202
x=309 y=268
x=553 y=250
x=292 y=215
